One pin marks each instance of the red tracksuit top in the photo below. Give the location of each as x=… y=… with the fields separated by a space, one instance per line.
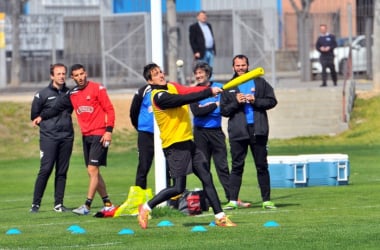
x=93 y=108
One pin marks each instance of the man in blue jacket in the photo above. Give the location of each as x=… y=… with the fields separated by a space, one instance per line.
x=207 y=125
x=246 y=107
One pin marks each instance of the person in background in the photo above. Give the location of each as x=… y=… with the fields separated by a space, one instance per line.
x=326 y=44
x=246 y=108
x=96 y=119
x=56 y=139
x=202 y=40
x=170 y=106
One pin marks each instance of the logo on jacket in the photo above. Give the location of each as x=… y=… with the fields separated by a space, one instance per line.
x=85 y=109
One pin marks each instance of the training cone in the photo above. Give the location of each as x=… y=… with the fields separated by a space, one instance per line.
x=198 y=229
x=126 y=231
x=165 y=223
x=13 y=231
x=78 y=231
x=271 y=224
x=73 y=228
x=212 y=224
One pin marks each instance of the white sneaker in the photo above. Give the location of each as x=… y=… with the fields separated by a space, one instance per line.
x=82 y=210
x=107 y=208
x=60 y=208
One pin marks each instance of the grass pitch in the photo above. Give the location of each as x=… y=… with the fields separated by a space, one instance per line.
x=326 y=217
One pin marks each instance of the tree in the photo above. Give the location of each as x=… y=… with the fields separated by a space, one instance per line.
x=376 y=47
x=303 y=27
x=16 y=58
x=172 y=38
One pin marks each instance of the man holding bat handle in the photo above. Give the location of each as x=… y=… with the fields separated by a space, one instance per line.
x=245 y=105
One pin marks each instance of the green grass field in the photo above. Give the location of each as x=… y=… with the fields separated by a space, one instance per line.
x=326 y=217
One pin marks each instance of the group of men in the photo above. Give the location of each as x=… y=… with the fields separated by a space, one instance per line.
x=188 y=145
x=51 y=111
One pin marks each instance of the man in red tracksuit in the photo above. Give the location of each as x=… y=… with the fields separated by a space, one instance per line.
x=96 y=118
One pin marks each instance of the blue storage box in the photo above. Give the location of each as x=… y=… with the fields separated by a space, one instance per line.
x=308 y=170
x=287 y=171
x=327 y=169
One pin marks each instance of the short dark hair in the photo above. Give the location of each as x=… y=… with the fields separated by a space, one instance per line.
x=147 y=73
x=53 y=66
x=203 y=66
x=201 y=11
x=76 y=67
x=240 y=56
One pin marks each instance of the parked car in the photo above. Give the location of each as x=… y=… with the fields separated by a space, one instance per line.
x=359 y=56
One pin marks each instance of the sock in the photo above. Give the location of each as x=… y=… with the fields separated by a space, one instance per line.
x=220 y=215
x=88 y=202
x=146 y=206
x=234 y=202
x=106 y=201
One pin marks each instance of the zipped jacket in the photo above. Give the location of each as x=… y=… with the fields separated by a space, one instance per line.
x=59 y=126
x=265 y=99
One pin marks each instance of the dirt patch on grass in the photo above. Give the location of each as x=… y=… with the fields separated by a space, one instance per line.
x=367 y=94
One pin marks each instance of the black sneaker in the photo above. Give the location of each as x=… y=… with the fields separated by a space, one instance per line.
x=60 y=208
x=34 y=208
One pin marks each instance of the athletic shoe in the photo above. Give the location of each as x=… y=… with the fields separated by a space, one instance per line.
x=243 y=204
x=34 y=208
x=224 y=222
x=268 y=205
x=82 y=210
x=108 y=208
x=143 y=217
x=60 y=208
x=230 y=206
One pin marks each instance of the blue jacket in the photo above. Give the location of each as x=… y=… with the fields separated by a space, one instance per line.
x=206 y=112
x=141 y=112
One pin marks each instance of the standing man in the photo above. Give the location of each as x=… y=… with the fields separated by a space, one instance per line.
x=96 y=118
x=202 y=40
x=326 y=44
x=169 y=101
x=207 y=126
x=248 y=126
x=141 y=114
x=56 y=139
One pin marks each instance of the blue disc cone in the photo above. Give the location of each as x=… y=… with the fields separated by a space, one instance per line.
x=13 y=231
x=73 y=228
x=78 y=231
x=165 y=223
x=212 y=224
x=271 y=224
x=126 y=231
x=198 y=229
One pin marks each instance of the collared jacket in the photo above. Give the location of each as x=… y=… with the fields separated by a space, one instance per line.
x=197 y=39
x=265 y=99
x=59 y=126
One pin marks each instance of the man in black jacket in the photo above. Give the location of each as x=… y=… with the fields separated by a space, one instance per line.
x=246 y=107
x=202 y=40
x=56 y=139
x=326 y=44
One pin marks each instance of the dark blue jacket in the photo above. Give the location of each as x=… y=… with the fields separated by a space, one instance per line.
x=326 y=40
x=57 y=127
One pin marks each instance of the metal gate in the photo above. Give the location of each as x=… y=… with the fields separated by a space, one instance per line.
x=127 y=48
